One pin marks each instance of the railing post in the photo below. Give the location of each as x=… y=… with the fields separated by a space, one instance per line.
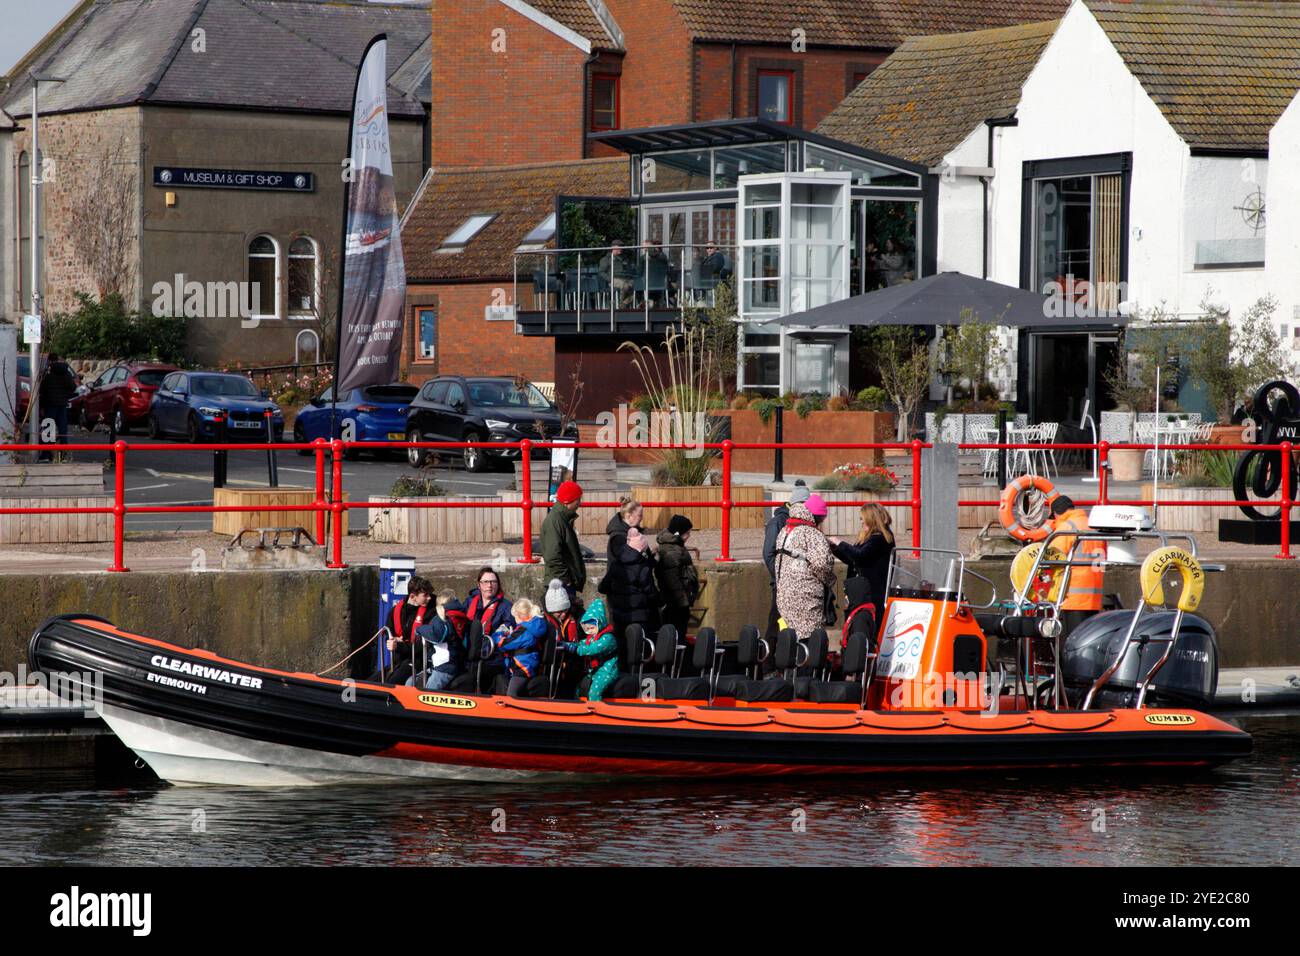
x=319 y=503
x=916 y=494
x=526 y=493
x=1285 y=554
x=726 y=501
x=1103 y=472
x=778 y=456
x=119 y=505
x=272 y=470
x=336 y=506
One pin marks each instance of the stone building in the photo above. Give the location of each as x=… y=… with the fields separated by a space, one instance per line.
x=209 y=136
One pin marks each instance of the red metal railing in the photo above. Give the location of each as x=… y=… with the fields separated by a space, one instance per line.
x=332 y=503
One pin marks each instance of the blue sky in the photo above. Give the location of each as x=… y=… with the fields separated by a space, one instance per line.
x=25 y=22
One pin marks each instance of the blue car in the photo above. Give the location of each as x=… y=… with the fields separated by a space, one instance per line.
x=377 y=413
x=188 y=403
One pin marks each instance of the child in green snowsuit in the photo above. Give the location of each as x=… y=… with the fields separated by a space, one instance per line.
x=599 y=648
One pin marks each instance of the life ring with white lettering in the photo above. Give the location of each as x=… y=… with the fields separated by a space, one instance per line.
x=1188 y=568
x=1021 y=521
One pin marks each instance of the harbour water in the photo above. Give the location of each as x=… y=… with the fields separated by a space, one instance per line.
x=1247 y=813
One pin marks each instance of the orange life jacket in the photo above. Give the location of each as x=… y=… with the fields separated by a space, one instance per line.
x=1087 y=582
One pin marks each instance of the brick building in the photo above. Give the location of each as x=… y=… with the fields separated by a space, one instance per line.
x=518 y=82
x=217 y=87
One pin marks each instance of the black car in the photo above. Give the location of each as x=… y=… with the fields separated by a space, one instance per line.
x=460 y=408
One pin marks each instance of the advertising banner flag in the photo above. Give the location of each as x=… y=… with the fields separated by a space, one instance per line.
x=373 y=277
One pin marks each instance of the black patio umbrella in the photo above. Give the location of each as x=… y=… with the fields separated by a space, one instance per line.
x=939 y=300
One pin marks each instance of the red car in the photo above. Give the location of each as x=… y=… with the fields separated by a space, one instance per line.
x=121 y=393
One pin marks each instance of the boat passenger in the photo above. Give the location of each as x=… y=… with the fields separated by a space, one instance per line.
x=775 y=525
x=629 y=582
x=679 y=582
x=560 y=616
x=805 y=569
x=561 y=550
x=487 y=603
x=868 y=557
x=1083 y=599
x=444 y=638
x=408 y=616
x=520 y=645
x=599 y=647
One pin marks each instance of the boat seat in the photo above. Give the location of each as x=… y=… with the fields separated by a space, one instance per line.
x=664 y=683
x=477 y=647
x=751 y=651
x=823 y=691
x=777 y=687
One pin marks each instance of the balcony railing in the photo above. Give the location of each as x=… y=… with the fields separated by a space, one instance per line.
x=618 y=288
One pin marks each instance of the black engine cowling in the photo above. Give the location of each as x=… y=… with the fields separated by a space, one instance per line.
x=1188 y=679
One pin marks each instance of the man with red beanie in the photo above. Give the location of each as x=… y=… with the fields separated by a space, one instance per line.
x=561 y=552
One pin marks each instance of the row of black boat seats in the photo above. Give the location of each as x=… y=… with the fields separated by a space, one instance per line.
x=652 y=667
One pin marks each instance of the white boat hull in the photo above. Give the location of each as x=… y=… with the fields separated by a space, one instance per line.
x=186 y=755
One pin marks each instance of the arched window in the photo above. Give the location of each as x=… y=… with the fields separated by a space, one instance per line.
x=306 y=347
x=304 y=291
x=264 y=269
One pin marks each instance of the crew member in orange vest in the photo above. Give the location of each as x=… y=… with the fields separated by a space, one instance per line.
x=1083 y=599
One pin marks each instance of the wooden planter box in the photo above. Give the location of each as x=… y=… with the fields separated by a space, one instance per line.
x=657 y=518
x=1204 y=520
x=54 y=485
x=590 y=520
x=56 y=529
x=435 y=525
x=233 y=522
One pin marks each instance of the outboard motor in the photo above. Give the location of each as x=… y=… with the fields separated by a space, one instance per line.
x=1188 y=678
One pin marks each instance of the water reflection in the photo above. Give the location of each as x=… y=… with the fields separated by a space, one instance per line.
x=1246 y=813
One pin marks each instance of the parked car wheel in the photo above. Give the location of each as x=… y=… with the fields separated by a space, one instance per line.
x=417 y=457
x=87 y=422
x=119 y=422
x=476 y=459
x=154 y=430
x=300 y=437
x=192 y=431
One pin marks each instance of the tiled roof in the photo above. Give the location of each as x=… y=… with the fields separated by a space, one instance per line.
x=933 y=92
x=858 y=23
x=258 y=54
x=521 y=196
x=579 y=17
x=1222 y=72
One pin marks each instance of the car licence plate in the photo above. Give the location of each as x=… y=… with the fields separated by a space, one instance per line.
x=248 y=424
x=396 y=436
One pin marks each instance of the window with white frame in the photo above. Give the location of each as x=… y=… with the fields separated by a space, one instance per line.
x=264 y=270
x=304 y=277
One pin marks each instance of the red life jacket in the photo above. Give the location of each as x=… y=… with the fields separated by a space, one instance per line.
x=397 y=621
x=848 y=622
x=594 y=663
x=484 y=613
x=566 y=633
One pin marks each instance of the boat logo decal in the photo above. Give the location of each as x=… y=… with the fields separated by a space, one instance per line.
x=1170 y=719
x=216 y=674
x=904 y=639
x=444 y=700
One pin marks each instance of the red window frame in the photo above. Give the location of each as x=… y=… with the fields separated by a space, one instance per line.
x=789 y=94
x=616 y=81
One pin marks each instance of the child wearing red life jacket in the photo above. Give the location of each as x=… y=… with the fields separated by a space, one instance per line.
x=562 y=620
x=599 y=648
x=409 y=613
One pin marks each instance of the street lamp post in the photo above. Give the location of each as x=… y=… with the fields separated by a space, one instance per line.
x=34 y=374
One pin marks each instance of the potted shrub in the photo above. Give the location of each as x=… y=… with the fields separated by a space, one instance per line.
x=856 y=481
x=431 y=525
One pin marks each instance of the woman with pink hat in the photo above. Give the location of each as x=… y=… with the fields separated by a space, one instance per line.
x=805 y=568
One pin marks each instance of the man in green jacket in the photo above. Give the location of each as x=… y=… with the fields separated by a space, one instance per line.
x=560 y=549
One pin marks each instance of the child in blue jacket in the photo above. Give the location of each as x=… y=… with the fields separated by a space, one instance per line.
x=599 y=648
x=444 y=639
x=520 y=646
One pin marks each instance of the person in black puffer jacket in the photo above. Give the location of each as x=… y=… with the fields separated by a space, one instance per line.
x=679 y=582
x=629 y=580
x=58 y=387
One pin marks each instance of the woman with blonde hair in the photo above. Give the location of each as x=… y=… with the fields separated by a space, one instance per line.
x=629 y=582
x=868 y=556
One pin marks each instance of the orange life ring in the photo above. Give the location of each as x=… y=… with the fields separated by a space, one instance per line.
x=1010 y=515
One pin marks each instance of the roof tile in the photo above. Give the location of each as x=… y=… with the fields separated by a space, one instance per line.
x=521 y=196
